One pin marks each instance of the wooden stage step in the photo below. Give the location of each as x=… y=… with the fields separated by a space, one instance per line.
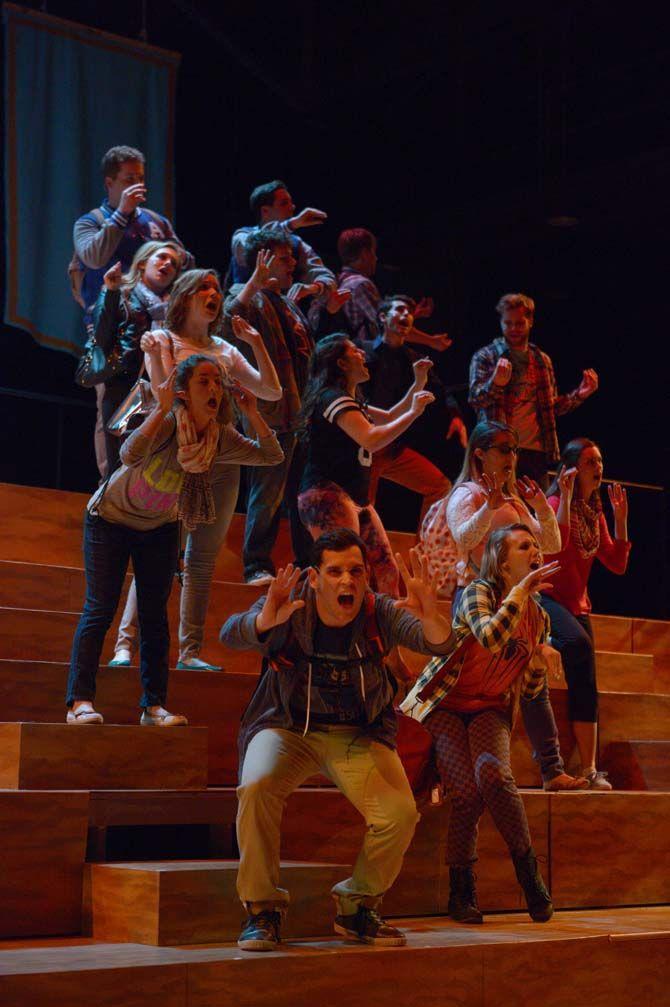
x=61 y=756
x=597 y=849
x=39 y=585
x=44 y=635
x=43 y=843
x=195 y=902
x=618 y=958
x=34 y=691
x=638 y=765
x=45 y=526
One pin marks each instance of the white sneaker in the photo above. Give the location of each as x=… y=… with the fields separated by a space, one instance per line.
x=259 y=578
x=121 y=659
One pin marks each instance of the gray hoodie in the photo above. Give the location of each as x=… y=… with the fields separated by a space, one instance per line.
x=270 y=705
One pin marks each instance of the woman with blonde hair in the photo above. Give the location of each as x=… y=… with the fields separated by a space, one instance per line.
x=486 y=496
x=467 y=700
x=127 y=307
x=194 y=316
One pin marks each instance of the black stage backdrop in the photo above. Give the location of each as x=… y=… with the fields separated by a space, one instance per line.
x=456 y=135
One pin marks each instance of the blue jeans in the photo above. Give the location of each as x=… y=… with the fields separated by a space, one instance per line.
x=269 y=486
x=572 y=636
x=107 y=549
x=540 y=725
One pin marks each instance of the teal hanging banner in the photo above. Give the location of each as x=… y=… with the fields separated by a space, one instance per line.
x=71 y=93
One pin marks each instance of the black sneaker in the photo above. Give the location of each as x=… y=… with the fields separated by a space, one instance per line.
x=366 y=925
x=261 y=931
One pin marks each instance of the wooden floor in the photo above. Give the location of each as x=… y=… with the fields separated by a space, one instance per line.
x=128 y=833
x=612 y=958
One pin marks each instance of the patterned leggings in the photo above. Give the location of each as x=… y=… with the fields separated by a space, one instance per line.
x=327 y=506
x=473 y=757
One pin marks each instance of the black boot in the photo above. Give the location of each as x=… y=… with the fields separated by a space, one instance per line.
x=462 y=896
x=538 y=898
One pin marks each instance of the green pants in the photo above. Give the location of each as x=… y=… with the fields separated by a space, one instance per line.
x=369 y=774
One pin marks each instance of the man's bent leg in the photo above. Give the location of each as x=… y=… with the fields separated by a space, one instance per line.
x=372 y=777
x=275 y=764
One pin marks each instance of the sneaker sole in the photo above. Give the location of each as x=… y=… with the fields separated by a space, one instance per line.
x=389 y=942
x=257 y=945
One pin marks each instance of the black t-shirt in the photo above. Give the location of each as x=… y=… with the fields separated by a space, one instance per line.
x=332 y=455
x=335 y=695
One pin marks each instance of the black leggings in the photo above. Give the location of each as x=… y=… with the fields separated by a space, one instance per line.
x=572 y=635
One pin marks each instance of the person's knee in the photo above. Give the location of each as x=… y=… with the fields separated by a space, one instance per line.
x=576 y=651
x=264 y=788
x=399 y=815
x=464 y=796
x=491 y=774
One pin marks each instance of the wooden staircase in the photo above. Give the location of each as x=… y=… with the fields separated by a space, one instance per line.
x=83 y=924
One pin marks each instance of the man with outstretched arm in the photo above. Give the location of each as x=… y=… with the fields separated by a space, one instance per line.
x=324 y=704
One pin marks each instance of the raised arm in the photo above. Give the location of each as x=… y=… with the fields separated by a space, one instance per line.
x=543 y=523
x=493 y=627
x=262 y=382
x=421 y=369
x=374 y=437
x=488 y=378
x=158 y=358
x=107 y=313
x=158 y=425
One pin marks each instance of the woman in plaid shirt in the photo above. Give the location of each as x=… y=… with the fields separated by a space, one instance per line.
x=468 y=701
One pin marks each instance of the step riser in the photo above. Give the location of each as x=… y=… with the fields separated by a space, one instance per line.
x=43 y=842
x=35 y=691
x=46 y=526
x=42 y=635
x=440 y=967
x=59 y=756
x=199 y=906
x=638 y=765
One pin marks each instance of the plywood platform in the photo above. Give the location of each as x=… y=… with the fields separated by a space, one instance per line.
x=195 y=902
x=42 y=847
x=614 y=958
x=60 y=756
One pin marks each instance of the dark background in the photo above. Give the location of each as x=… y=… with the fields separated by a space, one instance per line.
x=455 y=132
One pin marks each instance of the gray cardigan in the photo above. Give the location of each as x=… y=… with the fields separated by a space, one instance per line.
x=270 y=705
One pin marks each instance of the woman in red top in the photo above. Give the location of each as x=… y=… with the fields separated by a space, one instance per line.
x=567 y=601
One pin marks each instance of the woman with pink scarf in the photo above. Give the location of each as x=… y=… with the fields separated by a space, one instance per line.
x=165 y=477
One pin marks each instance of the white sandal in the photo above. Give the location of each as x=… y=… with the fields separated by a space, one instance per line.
x=84 y=715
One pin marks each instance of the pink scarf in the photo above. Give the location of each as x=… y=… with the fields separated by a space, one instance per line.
x=195 y=456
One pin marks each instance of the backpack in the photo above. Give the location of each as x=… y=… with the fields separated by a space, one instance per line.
x=76 y=270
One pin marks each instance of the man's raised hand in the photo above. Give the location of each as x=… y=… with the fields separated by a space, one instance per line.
x=420 y=586
x=132 y=197
x=278 y=607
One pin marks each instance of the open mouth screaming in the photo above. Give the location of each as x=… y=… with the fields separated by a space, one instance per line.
x=346 y=601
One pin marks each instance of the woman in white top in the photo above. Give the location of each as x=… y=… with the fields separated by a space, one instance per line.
x=194 y=316
x=487 y=495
